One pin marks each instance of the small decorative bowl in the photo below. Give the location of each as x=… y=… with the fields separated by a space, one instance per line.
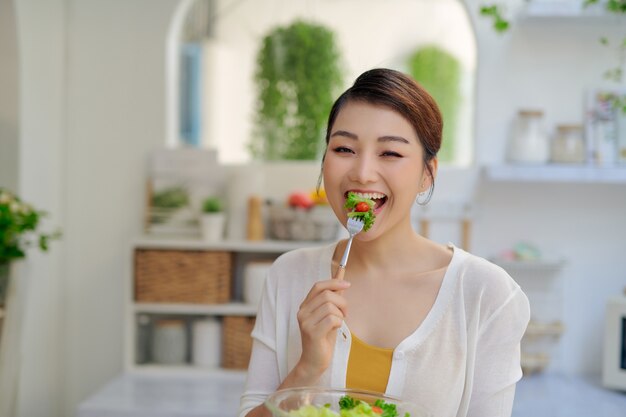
x=282 y=402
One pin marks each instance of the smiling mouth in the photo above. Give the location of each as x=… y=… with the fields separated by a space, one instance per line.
x=379 y=199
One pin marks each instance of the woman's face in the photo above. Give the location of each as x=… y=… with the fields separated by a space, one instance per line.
x=375 y=152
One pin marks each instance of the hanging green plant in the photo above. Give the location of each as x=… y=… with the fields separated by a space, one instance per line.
x=297 y=77
x=440 y=74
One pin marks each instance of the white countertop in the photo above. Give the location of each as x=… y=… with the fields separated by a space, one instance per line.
x=133 y=395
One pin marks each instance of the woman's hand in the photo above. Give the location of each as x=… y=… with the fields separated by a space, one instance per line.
x=320 y=315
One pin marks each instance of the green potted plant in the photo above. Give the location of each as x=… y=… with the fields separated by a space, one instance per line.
x=297 y=76
x=19 y=229
x=212 y=219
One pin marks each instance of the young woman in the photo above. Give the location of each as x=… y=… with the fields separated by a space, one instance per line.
x=421 y=321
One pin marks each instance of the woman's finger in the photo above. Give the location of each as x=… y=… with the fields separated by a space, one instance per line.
x=326 y=296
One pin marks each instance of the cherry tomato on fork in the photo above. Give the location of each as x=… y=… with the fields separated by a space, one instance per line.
x=362 y=207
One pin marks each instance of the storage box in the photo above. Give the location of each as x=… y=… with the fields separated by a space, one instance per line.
x=176 y=276
x=237 y=342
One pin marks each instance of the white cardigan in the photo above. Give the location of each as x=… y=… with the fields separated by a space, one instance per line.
x=463 y=360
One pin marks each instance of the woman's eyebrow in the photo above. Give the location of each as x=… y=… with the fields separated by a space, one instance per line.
x=344 y=133
x=386 y=138
x=392 y=139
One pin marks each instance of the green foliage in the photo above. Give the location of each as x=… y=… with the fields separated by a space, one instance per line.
x=615 y=6
x=494 y=12
x=172 y=197
x=440 y=74
x=212 y=204
x=18 y=228
x=297 y=77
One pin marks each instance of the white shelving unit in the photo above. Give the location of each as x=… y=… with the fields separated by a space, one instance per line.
x=541 y=282
x=570 y=13
x=556 y=173
x=243 y=251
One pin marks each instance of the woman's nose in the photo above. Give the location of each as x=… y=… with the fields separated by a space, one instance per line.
x=364 y=170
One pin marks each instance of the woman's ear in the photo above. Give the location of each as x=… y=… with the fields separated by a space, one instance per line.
x=429 y=174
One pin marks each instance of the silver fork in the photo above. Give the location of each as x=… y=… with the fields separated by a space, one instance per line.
x=354 y=226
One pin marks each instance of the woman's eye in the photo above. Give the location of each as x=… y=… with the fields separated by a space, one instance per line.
x=342 y=149
x=391 y=154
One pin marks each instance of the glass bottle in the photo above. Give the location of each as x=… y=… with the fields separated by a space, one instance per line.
x=529 y=142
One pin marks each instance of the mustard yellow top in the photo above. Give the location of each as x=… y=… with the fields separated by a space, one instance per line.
x=368 y=366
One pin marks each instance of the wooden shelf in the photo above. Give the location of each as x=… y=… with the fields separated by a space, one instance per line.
x=556 y=173
x=264 y=246
x=227 y=309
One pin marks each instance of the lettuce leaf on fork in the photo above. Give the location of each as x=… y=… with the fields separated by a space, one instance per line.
x=367 y=216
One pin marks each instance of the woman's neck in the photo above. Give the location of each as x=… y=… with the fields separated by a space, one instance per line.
x=401 y=249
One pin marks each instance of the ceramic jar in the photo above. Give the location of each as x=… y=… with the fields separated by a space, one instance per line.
x=169 y=343
x=529 y=142
x=568 y=145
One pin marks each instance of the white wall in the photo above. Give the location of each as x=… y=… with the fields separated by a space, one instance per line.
x=41 y=37
x=9 y=103
x=115 y=107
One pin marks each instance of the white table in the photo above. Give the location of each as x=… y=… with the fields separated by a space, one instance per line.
x=129 y=395
x=136 y=395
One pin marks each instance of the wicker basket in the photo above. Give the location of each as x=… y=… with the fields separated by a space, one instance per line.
x=174 y=276
x=237 y=342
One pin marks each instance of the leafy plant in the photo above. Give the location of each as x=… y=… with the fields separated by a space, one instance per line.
x=172 y=197
x=212 y=204
x=297 y=76
x=494 y=12
x=440 y=73
x=19 y=223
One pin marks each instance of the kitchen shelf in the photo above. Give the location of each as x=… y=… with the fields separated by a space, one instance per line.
x=234 y=316
x=556 y=173
x=227 y=309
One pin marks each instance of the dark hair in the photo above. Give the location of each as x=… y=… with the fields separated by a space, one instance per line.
x=393 y=89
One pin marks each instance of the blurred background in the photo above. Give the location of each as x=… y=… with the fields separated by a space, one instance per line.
x=132 y=123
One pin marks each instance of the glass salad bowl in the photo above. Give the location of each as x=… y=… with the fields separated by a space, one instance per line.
x=325 y=402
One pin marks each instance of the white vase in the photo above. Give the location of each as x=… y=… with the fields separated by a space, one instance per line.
x=212 y=225
x=207 y=342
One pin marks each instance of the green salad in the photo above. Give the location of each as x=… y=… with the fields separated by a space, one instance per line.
x=349 y=407
x=362 y=209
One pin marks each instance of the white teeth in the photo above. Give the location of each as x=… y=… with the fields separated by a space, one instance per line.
x=370 y=195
